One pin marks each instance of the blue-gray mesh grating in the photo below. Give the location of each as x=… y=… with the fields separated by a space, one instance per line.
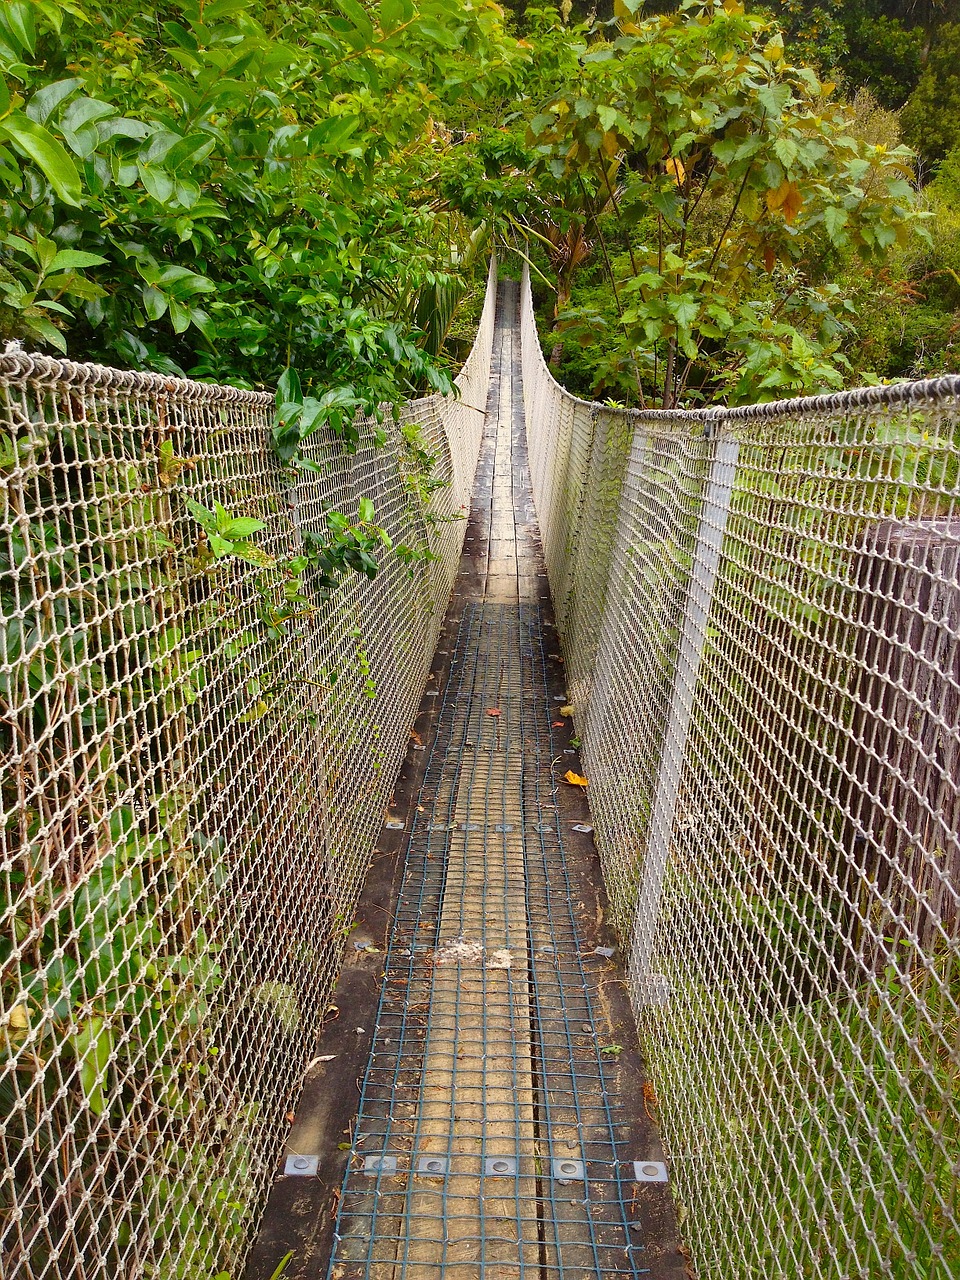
x=487 y=1138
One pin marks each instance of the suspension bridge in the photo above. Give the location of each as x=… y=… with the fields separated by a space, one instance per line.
x=331 y=928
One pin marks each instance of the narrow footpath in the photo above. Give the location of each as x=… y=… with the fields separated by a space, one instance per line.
x=502 y=1106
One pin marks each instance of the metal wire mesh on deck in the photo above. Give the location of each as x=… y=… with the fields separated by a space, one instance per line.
x=487 y=1140
x=190 y=794
x=761 y=619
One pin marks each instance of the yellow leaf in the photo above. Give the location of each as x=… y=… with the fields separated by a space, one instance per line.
x=787 y=198
x=676 y=168
x=575 y=779
x=18 y=1018
x=566 y=711
x=626 y=22
x=774 y=48
x=792 y=204
x=261 y=709
x=732 y=7
x=611 y=143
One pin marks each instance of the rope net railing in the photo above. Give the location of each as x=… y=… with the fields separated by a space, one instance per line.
x=760 y=613
x=195 y=771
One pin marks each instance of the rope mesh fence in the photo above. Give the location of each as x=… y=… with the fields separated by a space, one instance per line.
x=194 y=775
x=760 y=612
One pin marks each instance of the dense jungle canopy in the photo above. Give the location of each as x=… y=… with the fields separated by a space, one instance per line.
x=740 y=204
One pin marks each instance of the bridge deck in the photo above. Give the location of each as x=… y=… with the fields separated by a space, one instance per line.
x=493 y=1138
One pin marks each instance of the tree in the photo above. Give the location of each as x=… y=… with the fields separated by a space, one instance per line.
x=885 y=55
x=227 y=190
x=734 y=183
x=931 y=118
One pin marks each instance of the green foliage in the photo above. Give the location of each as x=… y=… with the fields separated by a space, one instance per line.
x=734 y=182
x=816 y=33
x=236 y=190
x=931 y=117
x=885 y=1065
x=852 y=1080
x=908 y=307
x=886 y=56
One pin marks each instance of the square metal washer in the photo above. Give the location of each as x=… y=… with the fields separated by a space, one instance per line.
x=650 y=1171
x=433 y=1166
x=373 y=1165
x=301 y=1166
x=500 y=1166
x=568 y=1170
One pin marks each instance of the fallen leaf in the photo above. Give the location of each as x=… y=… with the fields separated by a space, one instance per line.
x=575 y=779
x=493 y=711
x=415 y=737
x=557 y=724
x=566 y=711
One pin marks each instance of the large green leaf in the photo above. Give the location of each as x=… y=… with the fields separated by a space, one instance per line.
x=93 y=1046
x=50 y=156
x=17 y=20
x=49 y=96
x=394 y=13
x=358 y=16
x=67 y=259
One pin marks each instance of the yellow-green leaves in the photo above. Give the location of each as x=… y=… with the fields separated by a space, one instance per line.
x=93 y=1046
